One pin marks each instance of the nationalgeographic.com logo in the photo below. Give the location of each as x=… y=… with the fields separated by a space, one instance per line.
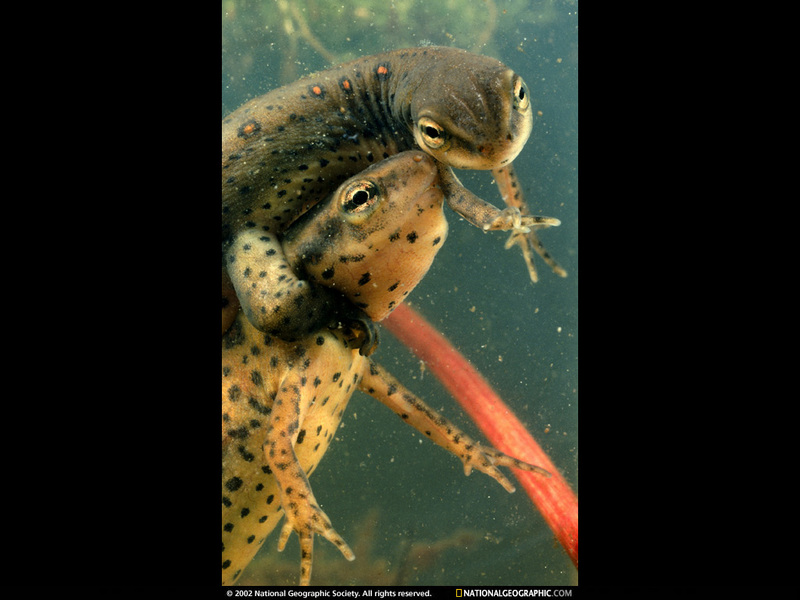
x=514 y=593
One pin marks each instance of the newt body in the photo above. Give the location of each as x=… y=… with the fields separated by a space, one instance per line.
x=283 y=401
x=290 y=148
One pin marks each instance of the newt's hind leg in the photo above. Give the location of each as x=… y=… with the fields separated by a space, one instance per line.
x=512 y=195
x=380 y=384
x=303 y=515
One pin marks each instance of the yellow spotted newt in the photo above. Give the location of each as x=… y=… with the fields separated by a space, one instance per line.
x=285 y=151
x=283 y=401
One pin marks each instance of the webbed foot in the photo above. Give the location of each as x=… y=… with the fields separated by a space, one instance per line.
x=529 y=240
x=511 y=219
x=486 y=460
x=306 y=518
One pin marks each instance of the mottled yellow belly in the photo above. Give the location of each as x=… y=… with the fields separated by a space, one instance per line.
x=319 y=375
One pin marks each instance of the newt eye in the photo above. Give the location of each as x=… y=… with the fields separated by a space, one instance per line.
x=521 y=97
x=432 y=134
x=359 y=197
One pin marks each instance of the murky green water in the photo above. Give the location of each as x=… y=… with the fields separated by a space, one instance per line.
x=522 y=337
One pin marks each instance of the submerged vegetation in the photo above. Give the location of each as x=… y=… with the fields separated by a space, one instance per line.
x=292 y=37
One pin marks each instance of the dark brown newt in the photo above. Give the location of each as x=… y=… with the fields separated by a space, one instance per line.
x=285 y=151
x=283 y=401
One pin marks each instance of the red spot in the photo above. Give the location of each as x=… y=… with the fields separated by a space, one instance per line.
x=346 y=84
x=317 y=90
x=382 y=70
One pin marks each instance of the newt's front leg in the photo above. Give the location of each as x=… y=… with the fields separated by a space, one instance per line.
x=380 y=384
x=515 y=217
x=303 y=514
x=484 y=215
x=276 y=301
x=272 y=297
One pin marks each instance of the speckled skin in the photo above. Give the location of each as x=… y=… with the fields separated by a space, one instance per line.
x=281 y=405
x=376 y=237
x=282 y=401
x=289 y=149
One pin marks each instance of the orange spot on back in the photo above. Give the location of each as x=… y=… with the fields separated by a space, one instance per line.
x=317 y=90
x=382 y=70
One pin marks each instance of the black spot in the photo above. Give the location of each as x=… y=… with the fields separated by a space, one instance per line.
x=365 y=278
x=351 y=258
x=239 y=433
x=393 y=287
x=246 y=455
x=259 y=407
x=233 y=484
x=327 y=273
x=412 y=237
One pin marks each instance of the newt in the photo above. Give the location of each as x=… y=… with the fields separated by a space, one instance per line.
x=282 y=401
x=287 y=150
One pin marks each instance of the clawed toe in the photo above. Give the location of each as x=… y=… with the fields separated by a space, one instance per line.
x=316 y=522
